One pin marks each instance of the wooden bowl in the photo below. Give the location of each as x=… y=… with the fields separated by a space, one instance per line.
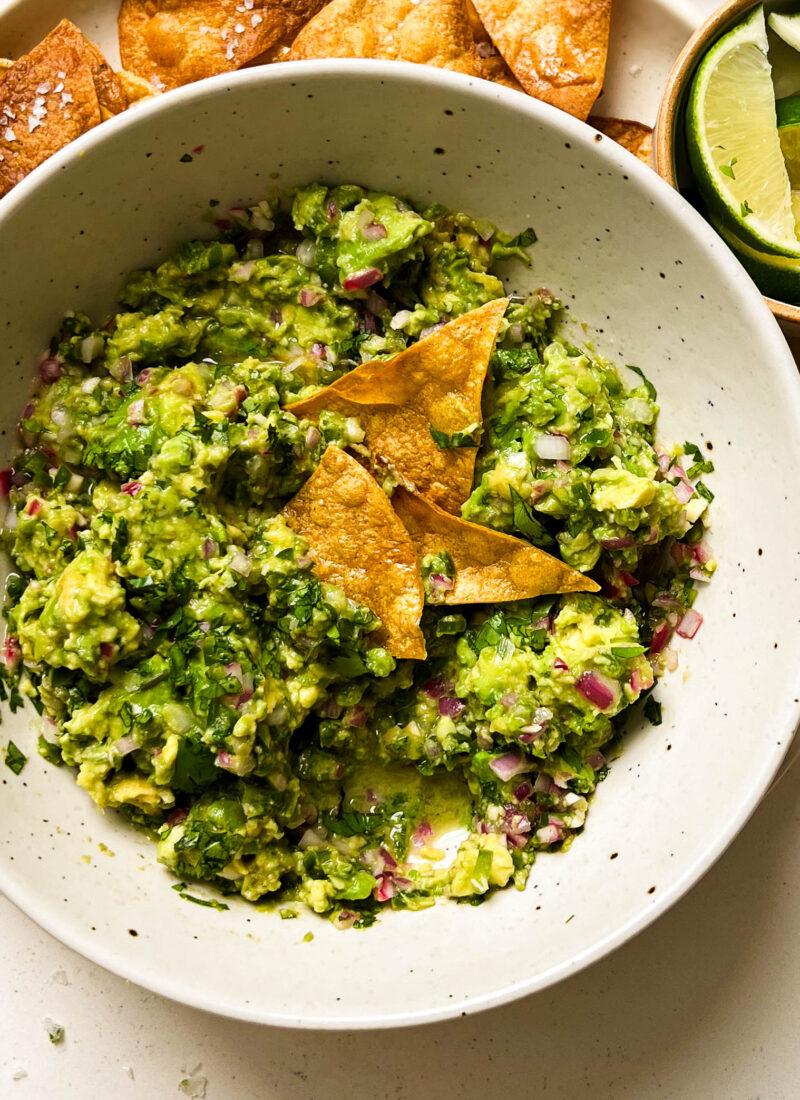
x=669 y=150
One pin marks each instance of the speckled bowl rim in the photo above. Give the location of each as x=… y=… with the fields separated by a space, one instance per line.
x=671 y=102
x=777 y=357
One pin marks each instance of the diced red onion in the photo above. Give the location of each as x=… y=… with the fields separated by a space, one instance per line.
x=375 y=231
x=543 y=784
x=12 y=653
x=375 y=304
x=318 y=350
x=402 y=317
x=450 y=707
x=388 y=859
x=511 y=764
x=311 y=838
x=422 y=834
x=356 y=716
x=551 y=447
x=384 y=888
x=311 y=296
x=312 y=438
x=485 y=49
x=107 y=650
x=143 y=377
x=240 y=563
x=34 y=507
x=91 y=347
x=664 y=461
x=684 y=492
x=661 y=636
x=333 y=209
x=373 y=861
x=344 y=919
x=622 y=543
x=598 y=689
x=5 y=481
x=549 y=834
x=430 y=329
x=243 y=272
x=223 y=759
x=131 y=488
x=362 y=279
x=234 y=669
x=523 y=791
x=436 y=687
x=702 y=553
x=305 y=252
x=664 y=599
x=638 y=682
x=596 y=761
x=177 y=816
x=204 y=627
x=629 y=578
x=441 y=583
x=370 y=324
x=510 y=699
x=136 y=412
x=125 y=745
x=558 y=663
x=50 y=369
x=210 y=549
x=689 y=624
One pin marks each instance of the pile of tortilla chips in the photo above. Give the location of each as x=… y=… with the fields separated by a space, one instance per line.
x=554 y=50
x=372 y=548
x=53 y=94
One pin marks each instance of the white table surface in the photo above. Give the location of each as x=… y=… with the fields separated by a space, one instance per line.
x=701 y=1006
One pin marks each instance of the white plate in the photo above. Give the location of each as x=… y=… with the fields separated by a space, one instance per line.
x=659 y=289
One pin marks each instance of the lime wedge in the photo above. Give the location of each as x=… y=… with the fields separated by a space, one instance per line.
x=788 y=114
x=787 y=27
x=776 y=276
x=732 y=140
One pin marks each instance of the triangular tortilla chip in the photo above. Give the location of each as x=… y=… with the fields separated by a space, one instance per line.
x=633 y=136
x=52 y=95
x=358 y=543
x=428 y=32
x=490 y=567
x=435 y=383
x=556 y=49
x=494 y=67
x=173 y=42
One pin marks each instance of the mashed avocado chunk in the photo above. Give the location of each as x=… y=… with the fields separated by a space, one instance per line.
x=188 y=662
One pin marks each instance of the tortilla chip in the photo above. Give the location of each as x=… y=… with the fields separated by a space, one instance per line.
x=633 y=136
x=494 y=67
x=135 y=88
x=435 y=383
x=428 y=32
x=173 y=42
x=490 y=567
x=556 y=48
x=53 y=94
x=358 y=543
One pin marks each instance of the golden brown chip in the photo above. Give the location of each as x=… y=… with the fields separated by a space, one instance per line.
x=556 y=48
x=134 y=87
x=358 y=543
x=494 y=67
x=436 y=383
x=173 y=42
x=428 y=32
x=490 y=567
x=633 y=136
x=53 y=94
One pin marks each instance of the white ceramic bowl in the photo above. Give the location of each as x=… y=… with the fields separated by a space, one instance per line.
x=657 y=288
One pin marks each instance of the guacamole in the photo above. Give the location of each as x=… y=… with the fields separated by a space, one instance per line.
x=167 y=622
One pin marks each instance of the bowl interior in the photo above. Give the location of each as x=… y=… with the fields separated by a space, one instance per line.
x=655 y=287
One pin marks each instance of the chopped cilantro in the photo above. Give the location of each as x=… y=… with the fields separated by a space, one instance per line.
x=15 y=758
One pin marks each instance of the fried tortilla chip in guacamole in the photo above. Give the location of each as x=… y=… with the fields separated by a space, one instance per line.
x=416 y=407
x=358 y=543
x=463 y=562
